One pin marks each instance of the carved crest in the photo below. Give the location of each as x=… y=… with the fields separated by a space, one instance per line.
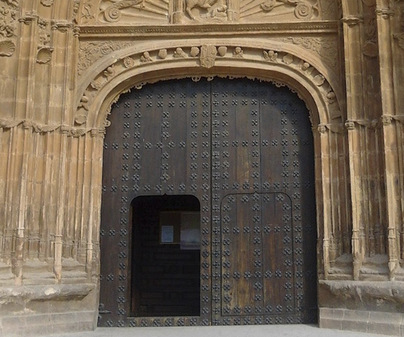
x=208 y=56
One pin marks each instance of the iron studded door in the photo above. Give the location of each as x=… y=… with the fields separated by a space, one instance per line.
x=158 y=144
x=245 y=150
x=263 y=213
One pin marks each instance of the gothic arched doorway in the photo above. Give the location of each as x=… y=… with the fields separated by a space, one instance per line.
x=244 y=150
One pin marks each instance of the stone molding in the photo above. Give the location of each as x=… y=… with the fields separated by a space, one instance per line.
x=324 y=27
x=131 y=60
x=46 y=128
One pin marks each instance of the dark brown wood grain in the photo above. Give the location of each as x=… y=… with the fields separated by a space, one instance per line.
x=244 y=149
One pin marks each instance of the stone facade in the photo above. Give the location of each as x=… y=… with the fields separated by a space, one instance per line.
x=64 y=63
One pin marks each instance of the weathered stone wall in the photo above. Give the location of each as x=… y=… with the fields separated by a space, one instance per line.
x=63 y=63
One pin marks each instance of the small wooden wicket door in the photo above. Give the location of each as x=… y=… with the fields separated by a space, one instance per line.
x=245 y=150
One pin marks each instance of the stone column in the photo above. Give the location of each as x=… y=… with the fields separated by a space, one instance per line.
x=391 y=149
x=92 y=266
x=352 y=37
x=326 y=193
x=177 y=11
x=233 y=10
x=22 y=142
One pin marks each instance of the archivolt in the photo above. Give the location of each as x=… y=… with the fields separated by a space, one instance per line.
x=261 y=60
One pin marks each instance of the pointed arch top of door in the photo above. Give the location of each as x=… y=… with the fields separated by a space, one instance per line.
x=134 y=67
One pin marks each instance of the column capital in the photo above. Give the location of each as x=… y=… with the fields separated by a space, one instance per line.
x=352 y=20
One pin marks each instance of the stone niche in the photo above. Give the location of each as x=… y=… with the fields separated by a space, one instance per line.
x=64 y=63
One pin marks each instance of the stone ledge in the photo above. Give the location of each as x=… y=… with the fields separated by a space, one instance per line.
x=44 y=324
x=44 y=292
x=382 y=296
x=384 y=323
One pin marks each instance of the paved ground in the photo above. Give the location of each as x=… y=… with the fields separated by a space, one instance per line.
x=233 y=331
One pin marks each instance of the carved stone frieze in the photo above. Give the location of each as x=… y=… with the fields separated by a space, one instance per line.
x=324 y=46
x=91 y=51
x=8 y=27
x=216 y=11
x=205 y=56
x=47 y=128
x=138 y=11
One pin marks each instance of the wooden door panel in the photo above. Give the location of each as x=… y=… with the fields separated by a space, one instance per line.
x=158 y=143
x=262 y=131
x=245 y=150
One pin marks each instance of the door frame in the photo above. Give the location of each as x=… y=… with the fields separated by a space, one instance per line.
x=319 y=89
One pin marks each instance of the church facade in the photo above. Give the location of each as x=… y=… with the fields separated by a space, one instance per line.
x=201 y=162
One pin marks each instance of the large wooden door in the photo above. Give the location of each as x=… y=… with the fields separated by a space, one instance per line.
x=245 y=150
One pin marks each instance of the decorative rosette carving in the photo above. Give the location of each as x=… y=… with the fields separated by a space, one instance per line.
x=113 y=12
x=303 y=9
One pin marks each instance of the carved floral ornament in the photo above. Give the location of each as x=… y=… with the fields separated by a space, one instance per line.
x=46 y=128
x=195 y=11
x=8 y=27
x=205 y=56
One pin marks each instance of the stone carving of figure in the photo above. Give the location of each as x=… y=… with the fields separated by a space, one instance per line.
x=238 y=52
x=270 y=55
x=146 y=57
x=179 y=53
x=214 y=8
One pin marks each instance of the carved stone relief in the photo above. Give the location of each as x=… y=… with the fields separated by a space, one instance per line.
x=205 y=11
x=8 y=26
x=303 y=9
x=370 y=48
x=205 y=56
x=323 y=46
x=47 y=3
x=139 y=11
x=208 y=56
x=92 y=51
x=216 y=11
x=399 y=36
x=44 y=47
x=87 y=14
